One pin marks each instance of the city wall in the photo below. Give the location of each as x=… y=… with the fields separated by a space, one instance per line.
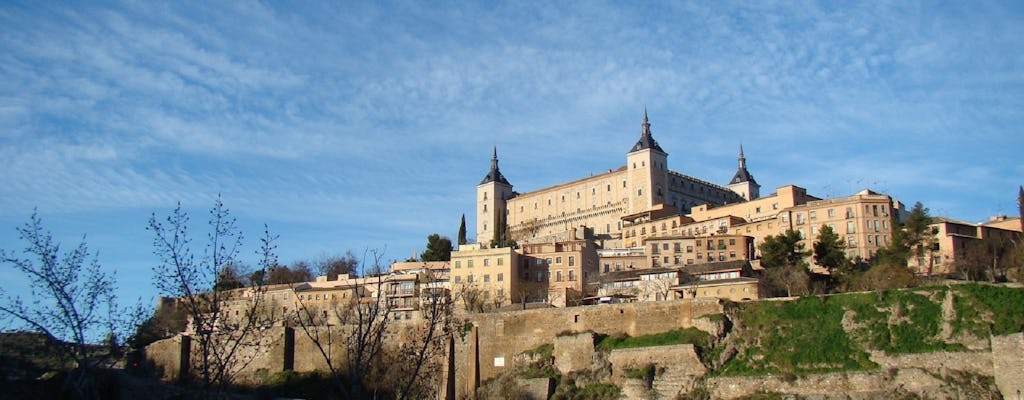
x=498 y=338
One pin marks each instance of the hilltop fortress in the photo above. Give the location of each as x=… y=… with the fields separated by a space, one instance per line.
x=655 y=249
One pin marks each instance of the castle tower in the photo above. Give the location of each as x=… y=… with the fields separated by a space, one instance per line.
x=647 y=176
x=743 y=183
x=491 y=196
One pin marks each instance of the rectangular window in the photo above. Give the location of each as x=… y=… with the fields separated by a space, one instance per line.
x=732 y=242
x=572 y=275
x=850 y=227
x=558 y=276
x=501 y=261
x=831 y=212
x=469 y=263
x=458 y=279
x=812 y=214
x=469 y=279
x=732 y=254
x=487 y=262
x=501 y=277
x=540 y=276
x=572 y=261
x=487 y=277
x=458 y=264
x=607 y=267
x=558 y=260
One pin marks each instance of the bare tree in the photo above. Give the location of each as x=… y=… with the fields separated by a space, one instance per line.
x=224 y=322
x=72 y=303
x=378 y=356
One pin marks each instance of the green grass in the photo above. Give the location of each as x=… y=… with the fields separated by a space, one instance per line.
x=806 y=335
x=802 y=336
x=646 y=373
x=1006 y=306
x=678 y=336
x=567 y=390
x=543 y=367
x=543 y=351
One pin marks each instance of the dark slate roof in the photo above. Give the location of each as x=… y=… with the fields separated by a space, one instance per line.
x=494 y=175
x=646 y=140
x=742 y=175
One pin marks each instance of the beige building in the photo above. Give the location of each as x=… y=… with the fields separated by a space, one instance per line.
x=863 y=220
x=675 y=251
x=951 y=240
x=727 y=280
x=562 y=272
x=486 y=276
x=601 y=201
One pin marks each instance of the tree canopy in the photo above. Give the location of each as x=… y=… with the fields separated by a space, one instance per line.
x=829 y=251
x=439 y=248
x=462 y=231
x=912 y=239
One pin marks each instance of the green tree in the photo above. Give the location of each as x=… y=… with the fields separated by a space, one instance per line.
x=829 y=253
x=439 y=248
x=782 y=250
x=462 y=230
x=914 y=238
x=782 y=257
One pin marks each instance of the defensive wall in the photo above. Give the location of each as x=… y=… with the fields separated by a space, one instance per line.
x=492 y=342
x=496 y=339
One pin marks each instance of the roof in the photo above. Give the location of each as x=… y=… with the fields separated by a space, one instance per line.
x=646 y=140
x=742 y=175
x=719 y=282
x=715 y=267
x=494 y=175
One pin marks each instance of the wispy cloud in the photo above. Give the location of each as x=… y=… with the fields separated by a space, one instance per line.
x=351 y=124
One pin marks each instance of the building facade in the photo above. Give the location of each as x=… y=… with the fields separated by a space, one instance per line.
x=598 y=202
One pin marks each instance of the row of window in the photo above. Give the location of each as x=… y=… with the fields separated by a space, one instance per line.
x=486 y=278
x=487 y=262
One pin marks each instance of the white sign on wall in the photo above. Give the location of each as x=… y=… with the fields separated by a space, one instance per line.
x=499 y=361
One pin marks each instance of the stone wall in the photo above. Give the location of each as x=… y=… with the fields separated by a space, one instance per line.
x=678 y=367
x=165 y=357
x=574 y=352
x=979 y=363
x=1008 y=364
x=501 y=336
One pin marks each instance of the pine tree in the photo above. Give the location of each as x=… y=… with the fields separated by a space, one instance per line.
x=828 y=251
x=462 y=230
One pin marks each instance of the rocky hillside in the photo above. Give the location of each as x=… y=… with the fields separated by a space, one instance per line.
x=956 y=341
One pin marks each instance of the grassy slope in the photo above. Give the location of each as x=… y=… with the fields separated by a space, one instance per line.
x=807 y=335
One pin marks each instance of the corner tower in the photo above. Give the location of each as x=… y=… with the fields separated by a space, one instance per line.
x=491 y=196
x=743 y=183
x=647 y=176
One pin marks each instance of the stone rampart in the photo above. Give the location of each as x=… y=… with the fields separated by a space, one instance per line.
x=681 y=358
x=1008 y=364
x=574 y=352
x=503 y=335
x=975 y=362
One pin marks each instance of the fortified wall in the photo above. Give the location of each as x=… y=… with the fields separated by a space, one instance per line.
x=495 y=339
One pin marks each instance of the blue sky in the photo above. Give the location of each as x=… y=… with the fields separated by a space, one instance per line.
x=347 y=126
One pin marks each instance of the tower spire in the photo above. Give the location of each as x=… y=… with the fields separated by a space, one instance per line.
x=646 y=140
x=494 y=175
x=743 y=160
x=645 y=130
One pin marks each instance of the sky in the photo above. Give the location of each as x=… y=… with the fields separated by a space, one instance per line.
x=367 y=125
